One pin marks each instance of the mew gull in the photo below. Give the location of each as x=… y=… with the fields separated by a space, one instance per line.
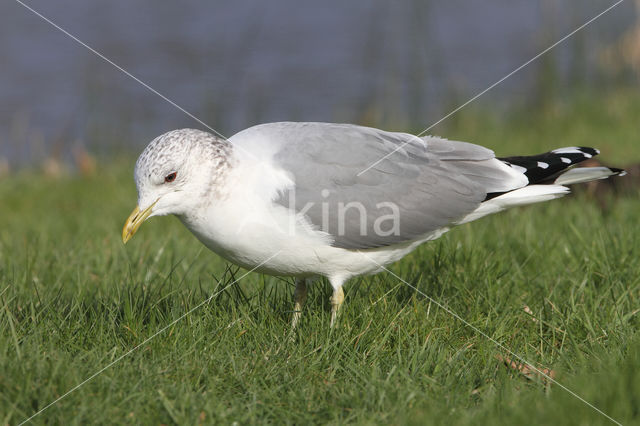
x=319 y=196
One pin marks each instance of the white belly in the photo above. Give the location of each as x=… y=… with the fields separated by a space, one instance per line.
x=270 y=239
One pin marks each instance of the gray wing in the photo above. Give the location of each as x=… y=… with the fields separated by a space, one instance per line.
x=424 y=186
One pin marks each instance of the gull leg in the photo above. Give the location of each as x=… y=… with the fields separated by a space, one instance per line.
x=299 y=296
x=336 y=301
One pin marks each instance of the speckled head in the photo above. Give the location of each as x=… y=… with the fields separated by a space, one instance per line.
x=177 y=163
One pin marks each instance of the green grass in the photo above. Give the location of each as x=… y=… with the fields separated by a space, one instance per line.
x=73 y=299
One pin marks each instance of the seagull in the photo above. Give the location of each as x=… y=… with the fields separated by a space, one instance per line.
x=308 y=200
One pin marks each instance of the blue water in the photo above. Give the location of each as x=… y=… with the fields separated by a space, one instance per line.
x=233 y=64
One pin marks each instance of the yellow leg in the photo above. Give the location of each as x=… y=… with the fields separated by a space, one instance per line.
x=299 y=296
x=336 y=301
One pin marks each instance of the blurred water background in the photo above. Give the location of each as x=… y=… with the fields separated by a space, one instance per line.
x=397 y=65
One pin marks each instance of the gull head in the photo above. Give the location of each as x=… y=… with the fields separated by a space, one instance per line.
x=176 y=174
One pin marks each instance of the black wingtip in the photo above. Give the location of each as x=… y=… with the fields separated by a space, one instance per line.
x=542 y=167
x=618 y=172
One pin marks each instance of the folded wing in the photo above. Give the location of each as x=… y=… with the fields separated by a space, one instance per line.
x=420 y=186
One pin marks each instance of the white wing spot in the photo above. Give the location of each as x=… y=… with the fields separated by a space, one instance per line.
x=565 y=160
x=543 y=165
x=568 y=150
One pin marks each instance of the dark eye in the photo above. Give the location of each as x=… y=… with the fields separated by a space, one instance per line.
x=170 y=177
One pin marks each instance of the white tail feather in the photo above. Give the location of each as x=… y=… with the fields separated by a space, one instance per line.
x=584 y=174
x=520 y=197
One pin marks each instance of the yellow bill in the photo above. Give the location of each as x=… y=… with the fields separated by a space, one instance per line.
x=134 y=221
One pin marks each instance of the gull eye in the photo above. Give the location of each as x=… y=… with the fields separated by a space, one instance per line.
x=170 y=177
